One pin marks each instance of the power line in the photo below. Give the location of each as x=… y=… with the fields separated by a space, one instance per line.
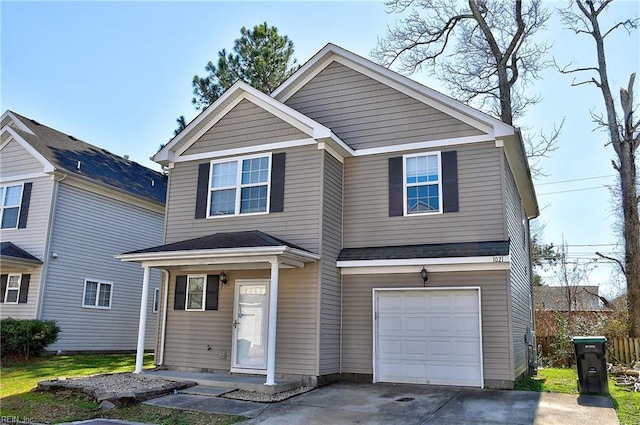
x=575 y=180
x=573 y=190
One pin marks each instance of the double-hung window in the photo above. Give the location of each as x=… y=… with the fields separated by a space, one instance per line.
x=195 y=293
x=12 y=293
x=240 y=186
x=10 y=197
x=422 y=184
x=97 y=294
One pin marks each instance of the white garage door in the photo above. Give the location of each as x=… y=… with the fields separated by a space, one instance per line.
x=428 y=337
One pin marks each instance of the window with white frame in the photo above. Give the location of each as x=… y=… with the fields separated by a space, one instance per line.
x=10 y=197
x=97 y=294
x=195 y=292
x=156 y=296
x=240 y=186
x=422 y=184
x=12 y=294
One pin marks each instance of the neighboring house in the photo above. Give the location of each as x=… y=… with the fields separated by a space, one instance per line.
x=67 y=208
x=299 y=225
x=560 y=298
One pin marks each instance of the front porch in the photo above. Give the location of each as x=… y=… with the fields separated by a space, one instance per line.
x=231 y=382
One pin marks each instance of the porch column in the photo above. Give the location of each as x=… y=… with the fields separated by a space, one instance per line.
x=142 y=324
x=273 y=314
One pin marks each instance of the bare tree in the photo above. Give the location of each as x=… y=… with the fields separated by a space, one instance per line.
x=484 y=51
x=583 y=18
x=572 y=276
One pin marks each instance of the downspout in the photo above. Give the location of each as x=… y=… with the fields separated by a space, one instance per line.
x=47 y=245
x=163 y=330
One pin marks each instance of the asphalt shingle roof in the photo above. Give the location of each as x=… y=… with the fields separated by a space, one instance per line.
x=440 y=250
x=247 y=239
x=10 y=250
x=65 y=152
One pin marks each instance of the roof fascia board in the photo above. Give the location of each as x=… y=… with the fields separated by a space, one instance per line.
x=517 y=161
x=91 y=185
x=47 y=166
x=226 y=254
x=22 y=126
x=498 y=259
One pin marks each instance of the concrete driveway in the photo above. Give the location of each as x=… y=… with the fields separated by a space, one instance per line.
x=391 y=404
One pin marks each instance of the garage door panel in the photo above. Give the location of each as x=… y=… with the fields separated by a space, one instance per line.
x=428 y=336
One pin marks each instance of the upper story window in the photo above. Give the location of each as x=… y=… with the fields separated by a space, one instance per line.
x=240 y=186
x=422 y=184
x=97 y=294
x=10 y=198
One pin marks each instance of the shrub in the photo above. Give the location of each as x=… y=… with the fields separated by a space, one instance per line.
x=24 y=338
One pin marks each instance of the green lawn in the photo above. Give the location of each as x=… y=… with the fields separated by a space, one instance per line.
x=626 y=403
x=19 y=401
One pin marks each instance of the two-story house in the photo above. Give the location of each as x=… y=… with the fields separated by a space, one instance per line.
x=66 y=208
x=352 y=224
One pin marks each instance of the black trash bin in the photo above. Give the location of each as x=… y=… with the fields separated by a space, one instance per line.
x=592 y=365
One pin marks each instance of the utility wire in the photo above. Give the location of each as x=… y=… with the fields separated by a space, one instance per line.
x=573 y=190
x=575 y=180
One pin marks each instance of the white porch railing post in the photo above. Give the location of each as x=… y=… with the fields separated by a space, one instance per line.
x=142 y=324
x=273 y=315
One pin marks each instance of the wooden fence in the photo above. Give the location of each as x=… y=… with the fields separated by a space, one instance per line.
x=620 y=350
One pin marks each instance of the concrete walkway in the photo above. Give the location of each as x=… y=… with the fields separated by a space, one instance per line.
x=391 y=404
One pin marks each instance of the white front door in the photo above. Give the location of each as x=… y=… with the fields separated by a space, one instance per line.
x=251 y=313
x=428 y=336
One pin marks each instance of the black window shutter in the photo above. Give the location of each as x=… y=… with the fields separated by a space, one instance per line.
x=24 y=205
x=212 y=292
x=180 y=296
x=3 y=286
x=24 y=288
x=449 y=181
x=276 y=201
x=203 y=190
x=395 y=187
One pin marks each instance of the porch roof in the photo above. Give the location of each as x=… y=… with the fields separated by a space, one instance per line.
x=13 y=256
x=220 y=249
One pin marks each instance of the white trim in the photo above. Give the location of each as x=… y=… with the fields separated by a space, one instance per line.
x=30 y=176
x=226 y=253
x=7 y=289
x=499 y=143
x=376 y=291
x=204 y=292
x=438 y=155
x=100 y=282
x=239 y=186
x=498 y=259
x=247 y=150
x=235 y=367
x=48 y=166
x=331 y=151
x=16 y=121
x=433 y=268
x=165 y=304
x=425 y=145
x=272 y=324
x=142 y=321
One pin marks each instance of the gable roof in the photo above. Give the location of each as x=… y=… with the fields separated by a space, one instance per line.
x=73 y=156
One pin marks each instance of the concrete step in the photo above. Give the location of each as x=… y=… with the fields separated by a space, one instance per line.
x=206 y=390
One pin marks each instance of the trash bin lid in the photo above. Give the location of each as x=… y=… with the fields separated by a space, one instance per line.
x=588 y=339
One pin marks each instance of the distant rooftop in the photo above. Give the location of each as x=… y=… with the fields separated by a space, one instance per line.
x=74 y=156
x=556 y=298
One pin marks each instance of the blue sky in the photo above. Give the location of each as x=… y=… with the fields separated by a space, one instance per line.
x=118 y=74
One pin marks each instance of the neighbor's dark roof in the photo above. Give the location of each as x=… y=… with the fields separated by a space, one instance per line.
x=10 y=250
x=440 y=250
x=64 y=152
x=248 y=239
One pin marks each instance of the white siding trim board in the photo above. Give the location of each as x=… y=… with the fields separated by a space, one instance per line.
x=16 y=122
x=502 y=262
x=27 y=177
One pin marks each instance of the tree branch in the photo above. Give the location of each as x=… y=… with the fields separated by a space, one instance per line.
x=615 y=260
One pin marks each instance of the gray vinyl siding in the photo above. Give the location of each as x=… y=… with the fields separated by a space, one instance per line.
x=245 y=125
x=331 y=246
x=190 y=334
x=357 y=322
x=520 y=277
x=88 y=230
x=365 y=113
x=15 y=161
x=366 y=213
x=297 y=224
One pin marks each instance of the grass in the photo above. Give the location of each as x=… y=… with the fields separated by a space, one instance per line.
x=19 y=400
x=626 y=403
